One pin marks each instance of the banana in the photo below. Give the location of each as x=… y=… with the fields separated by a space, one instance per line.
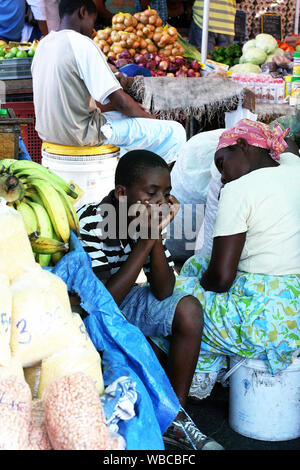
x=11 y=188
x=56 y=257
x=29 y=218
x=71 y=213
x=7 y=162
x=32 y=194
x=30 y=168
x=48 y=246
x=54 y=206
x=44 y=227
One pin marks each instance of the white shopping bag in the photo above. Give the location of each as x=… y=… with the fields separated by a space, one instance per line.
x=232 y=117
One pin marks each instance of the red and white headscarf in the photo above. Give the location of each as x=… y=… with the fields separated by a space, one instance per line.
x=258 y=135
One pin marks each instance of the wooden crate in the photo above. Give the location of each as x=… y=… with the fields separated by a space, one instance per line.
x=9 y=134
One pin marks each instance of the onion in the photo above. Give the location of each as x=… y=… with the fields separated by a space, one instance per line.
x=151 y=65
x=143 y=18
x=195 y=65
x=157 y=58
x=159 y=29
x=121 y=62
x=129 y=29
x=124 y=54
x=173 y=68
x=151 y=48
x=147 y=56
x=156 y=37
x=111 y=58
x=163 y=65
x=172 y=31
x=106 y=50
x=179 y=60
x=191 y=73
x=161 y=73
x=134 y=21
x=170 y=74
x=158 y=22
x=135 y=45
x=143 y=44
x=127 y=19
x=137 y=16
x=180 y=73
x=152 y=19
x=132 y=52
x=139 y=59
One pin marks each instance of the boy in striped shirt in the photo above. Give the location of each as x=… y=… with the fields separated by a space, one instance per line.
x=123 y=234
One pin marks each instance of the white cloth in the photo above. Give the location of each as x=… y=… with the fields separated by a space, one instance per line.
x=38 y=8
x=266 y=205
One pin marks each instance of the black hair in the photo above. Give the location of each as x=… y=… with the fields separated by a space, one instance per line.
x=133 y=163
x=68 y=7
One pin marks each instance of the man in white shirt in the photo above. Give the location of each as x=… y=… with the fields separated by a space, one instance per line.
x=79 y=101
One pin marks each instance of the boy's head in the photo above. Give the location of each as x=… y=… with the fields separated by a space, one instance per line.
x=142 y=175
x=79 y=13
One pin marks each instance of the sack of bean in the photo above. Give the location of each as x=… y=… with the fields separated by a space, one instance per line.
x=15 y=413
x=74 y=415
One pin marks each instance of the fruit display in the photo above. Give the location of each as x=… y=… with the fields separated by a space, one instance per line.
x=138 y=34
x=160 y=65
x=45 y=201
x=17 y=50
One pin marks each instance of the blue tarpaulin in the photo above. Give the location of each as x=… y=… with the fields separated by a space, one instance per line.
x=126 y=352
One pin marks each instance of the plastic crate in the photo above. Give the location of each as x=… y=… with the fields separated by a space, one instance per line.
x=28 y=133
x=13 y=69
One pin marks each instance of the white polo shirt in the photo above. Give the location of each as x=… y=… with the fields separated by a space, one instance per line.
x=266 y=205
x=70 y=73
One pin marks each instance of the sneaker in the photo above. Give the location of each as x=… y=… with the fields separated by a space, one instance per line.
x=184 y=434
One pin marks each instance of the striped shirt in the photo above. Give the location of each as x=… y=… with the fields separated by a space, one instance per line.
x=107 y=254
x=221 y=15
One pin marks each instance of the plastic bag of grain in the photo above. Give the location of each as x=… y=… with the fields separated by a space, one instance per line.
x=14 y=367
x=15 y=249
x=74 y=415
x=70 y=360
x=38 y=436
x=32 y=376
x=41 y=323
x=15 y=413
x=5 y=319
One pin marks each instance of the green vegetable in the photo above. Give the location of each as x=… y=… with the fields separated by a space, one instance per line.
x=190 y=51
x=245 y=68
x=266 y=42
x=248 y=44
x=254 y=55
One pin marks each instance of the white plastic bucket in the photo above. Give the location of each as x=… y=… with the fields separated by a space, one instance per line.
x=94 y=174
x=264 y=406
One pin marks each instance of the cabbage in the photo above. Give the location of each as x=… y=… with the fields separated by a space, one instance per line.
x=242 y=60
x=277 y=51
x=248 y=44
x=245 y=68
x=266 y=42
x=253 y=55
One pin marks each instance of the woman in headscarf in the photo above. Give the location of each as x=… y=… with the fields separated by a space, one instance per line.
x=250 y=287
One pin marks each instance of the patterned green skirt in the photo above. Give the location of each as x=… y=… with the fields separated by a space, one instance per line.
x=258 y=318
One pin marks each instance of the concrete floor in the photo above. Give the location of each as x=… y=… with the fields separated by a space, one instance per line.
x=211 y=417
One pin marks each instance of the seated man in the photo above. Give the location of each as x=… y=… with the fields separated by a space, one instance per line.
x=74 y=88
x=121 y=243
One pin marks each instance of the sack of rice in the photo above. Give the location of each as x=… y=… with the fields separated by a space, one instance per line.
x=14 y=367
x=68 y=361
x=15 y=248
x=41 y=325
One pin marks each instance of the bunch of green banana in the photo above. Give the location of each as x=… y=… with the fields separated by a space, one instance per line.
x=44 y=200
